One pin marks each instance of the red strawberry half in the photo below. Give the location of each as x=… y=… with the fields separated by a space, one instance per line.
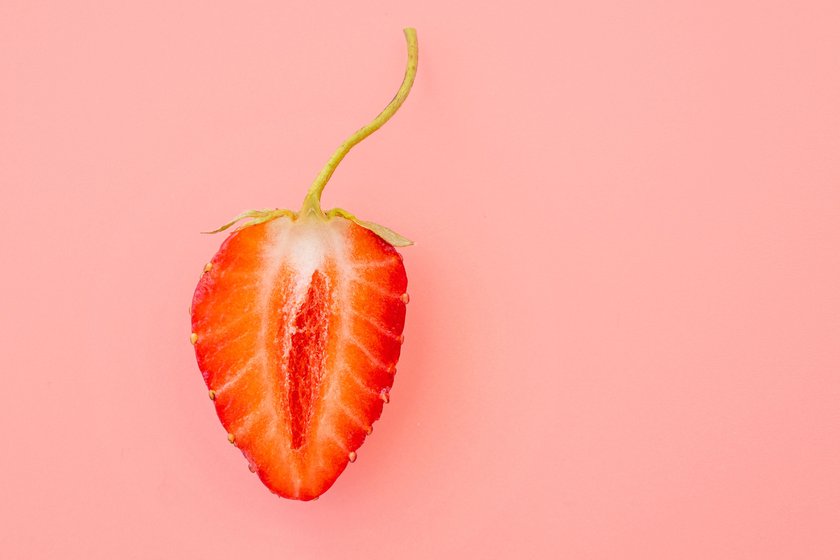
x=297 y=325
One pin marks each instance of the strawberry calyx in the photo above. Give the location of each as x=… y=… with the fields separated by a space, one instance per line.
x=257 y=217
x=261 y=216
x=387 y=234
x=311 y=208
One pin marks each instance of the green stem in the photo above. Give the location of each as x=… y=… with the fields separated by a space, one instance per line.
x=312 y=202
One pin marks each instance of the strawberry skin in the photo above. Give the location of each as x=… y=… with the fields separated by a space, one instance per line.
x=299 y=327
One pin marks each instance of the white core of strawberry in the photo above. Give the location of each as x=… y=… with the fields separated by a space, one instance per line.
x=301 y=247
x=306 y=255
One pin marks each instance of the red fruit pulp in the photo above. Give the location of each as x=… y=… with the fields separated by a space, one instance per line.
x=299 y=326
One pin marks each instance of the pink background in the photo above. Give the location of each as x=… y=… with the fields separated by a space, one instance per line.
x=623 y=334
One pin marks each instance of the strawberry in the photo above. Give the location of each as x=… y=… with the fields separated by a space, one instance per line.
x=297 y=325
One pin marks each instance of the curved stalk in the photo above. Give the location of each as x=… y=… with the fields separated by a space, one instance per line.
x=312 y=202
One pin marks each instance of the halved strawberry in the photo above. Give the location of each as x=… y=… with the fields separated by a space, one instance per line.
x=297 y=325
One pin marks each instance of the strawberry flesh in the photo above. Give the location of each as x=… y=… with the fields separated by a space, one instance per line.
x=299 y=326
x=306 y=357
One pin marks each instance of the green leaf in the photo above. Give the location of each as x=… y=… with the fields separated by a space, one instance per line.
x=387 y=234
x=259 y=216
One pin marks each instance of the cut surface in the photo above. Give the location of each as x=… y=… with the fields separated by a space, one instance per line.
x=307 y=353
x=298 y=328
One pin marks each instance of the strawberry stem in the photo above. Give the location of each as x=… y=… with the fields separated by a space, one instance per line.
x=312 y=202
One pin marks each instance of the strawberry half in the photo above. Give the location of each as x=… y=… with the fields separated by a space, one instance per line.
x=297 y=325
